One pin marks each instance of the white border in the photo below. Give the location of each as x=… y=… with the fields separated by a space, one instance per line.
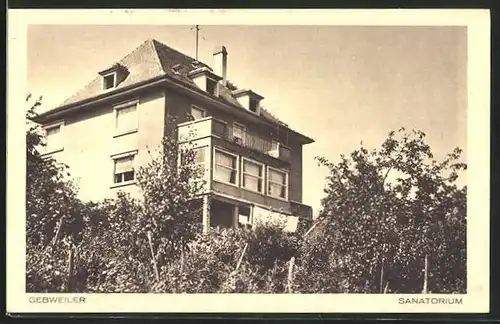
x=478 y=125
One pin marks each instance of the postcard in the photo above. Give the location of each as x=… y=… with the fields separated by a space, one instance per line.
x=240 y=161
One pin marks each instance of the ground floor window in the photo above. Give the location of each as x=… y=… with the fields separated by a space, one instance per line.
x=221 y=214
x=244 y=216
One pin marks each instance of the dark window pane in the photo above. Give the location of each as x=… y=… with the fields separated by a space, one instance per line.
x=109 y=81
x=118 y=178
x=211 y=86
x=244 y=210
x=129 y=176
x=219 y=128
x=233 y=176
x=253 y=105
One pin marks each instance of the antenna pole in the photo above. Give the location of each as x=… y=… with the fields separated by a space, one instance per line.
x=197 y=28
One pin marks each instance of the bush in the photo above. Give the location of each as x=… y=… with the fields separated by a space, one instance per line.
x=371 y=236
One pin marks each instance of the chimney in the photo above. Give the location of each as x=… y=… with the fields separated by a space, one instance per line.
x=219 y=65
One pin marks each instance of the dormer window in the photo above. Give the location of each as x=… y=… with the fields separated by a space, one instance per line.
x=212 y=87
x=253 y=105
x=113 y=76
x=206 y=80
x=248 y=100
x=109 y=81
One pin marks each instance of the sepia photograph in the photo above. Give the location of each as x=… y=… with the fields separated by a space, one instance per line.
x=195 y=158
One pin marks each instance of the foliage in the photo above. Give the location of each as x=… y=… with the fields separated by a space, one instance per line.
x=384 y=230
x=171 y=213
x=385 y=212
x=232 y=260
x=51 y=203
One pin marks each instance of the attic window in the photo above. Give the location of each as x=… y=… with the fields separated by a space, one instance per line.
x=109 y=81
x=253 y=106
x=212 y=87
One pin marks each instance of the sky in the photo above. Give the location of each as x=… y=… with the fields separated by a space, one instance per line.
x=339 y=85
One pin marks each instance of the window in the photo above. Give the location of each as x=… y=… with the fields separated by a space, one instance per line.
x=109 y=81
x=219 y=128
x=124 y=169
x=53 y=135
x=275 y=145
x=197 y=112
x=126 y=118
x=199 y=162
x=238 y=132
x=226 y=167
x=253 y=106
x=244 y=218
x=277 y=183
x=253 y=176
x=211 y=87
x=274 y=151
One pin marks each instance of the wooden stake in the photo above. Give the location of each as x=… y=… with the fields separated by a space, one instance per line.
x=386 y=287
x=424 y=290
x=69 y=285
x=290 y=274
x=157 y=274
x=381 y=275
x=309 y=230
x=58 y=231
x=182 y=257
x=241 y=257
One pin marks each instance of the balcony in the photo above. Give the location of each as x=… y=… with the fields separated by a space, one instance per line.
x=209 y=126
x=301 y=210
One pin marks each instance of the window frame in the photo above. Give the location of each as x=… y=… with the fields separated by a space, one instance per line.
x=124 y=105
x=263 y=177
x=268 y=181
x=226 y=128
x=123 y=155
x=57 y=124
x=278 y=144
x=204 y=163
x=215 y=89
x=243 y=128
x=237 y=184
x=198 y=108
x=115 y=77
x=257 y=106
x=249 y=223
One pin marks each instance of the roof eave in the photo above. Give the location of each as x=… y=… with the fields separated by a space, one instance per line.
x=162 y=78
x=102 y=96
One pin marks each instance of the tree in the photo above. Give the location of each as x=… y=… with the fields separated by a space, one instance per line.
x=393 y=210
x=52 y=207
x=172 y=211
x=55 y=217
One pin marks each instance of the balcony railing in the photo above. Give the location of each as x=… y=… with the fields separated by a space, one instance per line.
x=209 y=126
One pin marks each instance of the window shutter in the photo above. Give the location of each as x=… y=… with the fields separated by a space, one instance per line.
x=124 y=164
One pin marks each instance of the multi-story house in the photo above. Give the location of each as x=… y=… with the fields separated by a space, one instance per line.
x=252 y=161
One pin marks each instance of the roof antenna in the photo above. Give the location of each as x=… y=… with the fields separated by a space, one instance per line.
x=197 y=30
